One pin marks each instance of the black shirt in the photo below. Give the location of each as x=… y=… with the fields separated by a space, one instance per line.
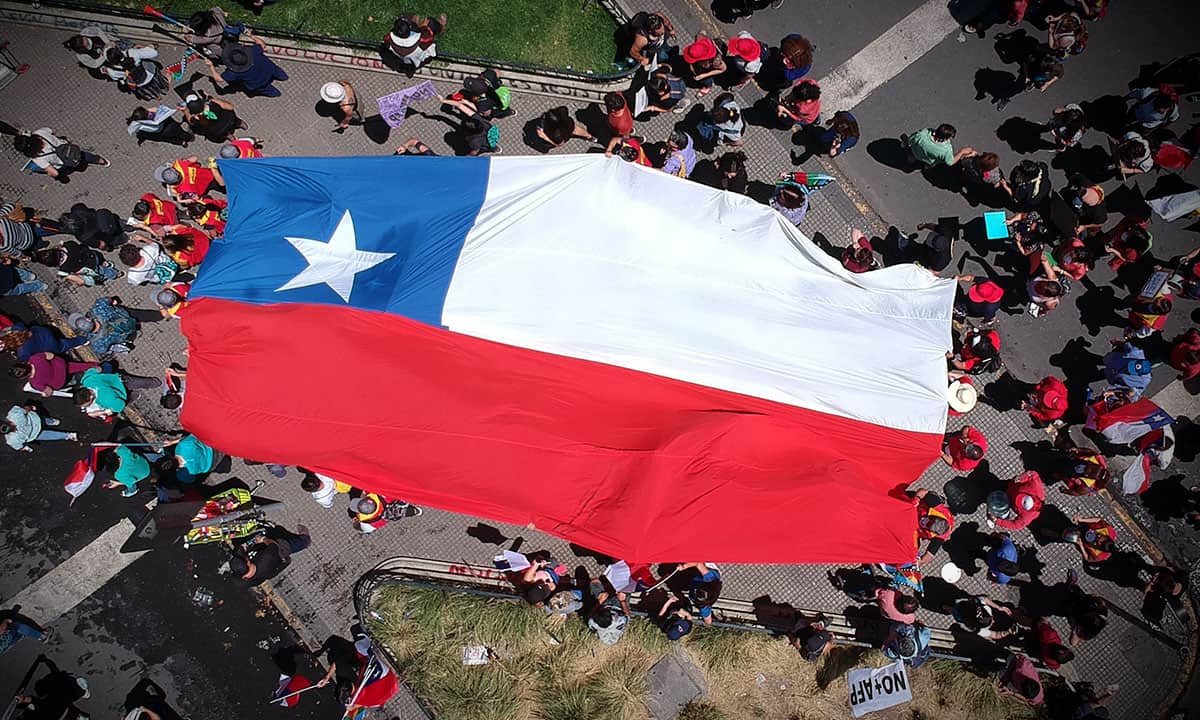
x=267 y=562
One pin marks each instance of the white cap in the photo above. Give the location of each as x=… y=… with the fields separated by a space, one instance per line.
x=333 y=92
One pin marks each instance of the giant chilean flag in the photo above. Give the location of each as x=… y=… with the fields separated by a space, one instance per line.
x=637 y=363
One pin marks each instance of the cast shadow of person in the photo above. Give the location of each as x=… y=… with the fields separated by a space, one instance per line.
x=891 y=152
x=996 y=85
x=1013 y=47
x=1040 y=456
x=1023 y=136
x=1106 y=114
x=967 y=493
x=593 y=117
x=1006 y=392
x=1123 y=569
x=706 y=173
x=1166 y=499
x=939 y=594
x=1048 y=527
x=868 y=624
x=1097 y=308
x=487 y=534
x=967 y=547
x=760 y=191
x=1095 y=163
x=1080 y=368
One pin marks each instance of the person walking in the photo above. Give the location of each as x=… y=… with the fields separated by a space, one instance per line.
x=681 y=154
x=1025 y=494
x=107 y=326
x=412 y=42
x=247 y=68
x=55 y=156
x=342 y=96
x=964 y=450
x=932 y=146
x=265 y=556
x=16 y=280
x=103 y=394
x=157 y=123
x=24 y=425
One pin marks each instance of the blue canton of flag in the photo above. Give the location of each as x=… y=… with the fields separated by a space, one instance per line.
x=375 y=233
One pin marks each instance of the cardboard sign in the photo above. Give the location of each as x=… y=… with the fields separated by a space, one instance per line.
x=874 y=689
x=994 y=225
x=394 y=107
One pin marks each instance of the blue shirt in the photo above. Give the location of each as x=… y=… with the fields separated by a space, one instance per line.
x=1116 y=369
x=42 y=340
x=681 y=162
x=116 y=326
x=259 y=75
x=1004 y=551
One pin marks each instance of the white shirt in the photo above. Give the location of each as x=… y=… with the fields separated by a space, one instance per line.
x=324 y=496
x=152 y=255
x=47 y=158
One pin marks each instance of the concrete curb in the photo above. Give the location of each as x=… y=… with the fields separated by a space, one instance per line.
x=441 y=68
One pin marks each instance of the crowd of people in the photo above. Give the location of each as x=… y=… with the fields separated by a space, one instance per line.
x=1056 y=239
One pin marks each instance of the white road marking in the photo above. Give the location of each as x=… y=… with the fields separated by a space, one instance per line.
x=1176 y=400
x=78 y=577
x=903 y=44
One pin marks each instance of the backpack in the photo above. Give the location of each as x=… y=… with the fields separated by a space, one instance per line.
x=69 y=155
x=813 y=642
x=1029 y=183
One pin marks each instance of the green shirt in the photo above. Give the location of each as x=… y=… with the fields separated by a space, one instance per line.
x=197 y=457
x=929 y=151
x=133 y=468
x=110 y=390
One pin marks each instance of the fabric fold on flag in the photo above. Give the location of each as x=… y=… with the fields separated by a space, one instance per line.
x=642 y=365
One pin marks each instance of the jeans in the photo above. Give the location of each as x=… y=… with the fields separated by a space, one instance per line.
x=293 y=541
x=65 y=345
x=29 y=284
x=137 y=382
x=52 y=435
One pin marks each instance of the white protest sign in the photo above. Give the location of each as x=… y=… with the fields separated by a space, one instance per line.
x=874 y=689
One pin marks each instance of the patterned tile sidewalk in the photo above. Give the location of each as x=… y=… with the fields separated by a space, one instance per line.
x=56 y=93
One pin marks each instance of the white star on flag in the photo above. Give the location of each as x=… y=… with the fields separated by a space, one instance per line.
x=334 y=263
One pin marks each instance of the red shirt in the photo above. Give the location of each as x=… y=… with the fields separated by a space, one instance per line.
x=967 y=354
x=1184 y=344
x=200 y=245
x=1029 y=483
x=1051 y=395
x=621 y=122
x=162 y=212
x=245 y=148
x=1101 y=529
x=956 y=447
x=1047 y=637
x=196 y=178
x=211 y=219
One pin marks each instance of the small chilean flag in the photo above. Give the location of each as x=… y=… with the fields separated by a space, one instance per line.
x=1128 y=422
x=640 y=364
x=83 y=472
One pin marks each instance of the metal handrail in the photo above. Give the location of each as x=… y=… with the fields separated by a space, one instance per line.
x=362 y=44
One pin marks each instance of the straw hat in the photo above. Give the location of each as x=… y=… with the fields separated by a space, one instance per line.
x=333 y=92
x=961 y=396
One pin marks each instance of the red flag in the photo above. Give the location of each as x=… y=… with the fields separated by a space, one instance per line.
x=81 y=476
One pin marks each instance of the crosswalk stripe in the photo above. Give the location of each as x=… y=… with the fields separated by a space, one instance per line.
x=887 y=56
x=78 y=577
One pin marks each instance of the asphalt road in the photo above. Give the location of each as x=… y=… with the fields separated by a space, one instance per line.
x=213 y=660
